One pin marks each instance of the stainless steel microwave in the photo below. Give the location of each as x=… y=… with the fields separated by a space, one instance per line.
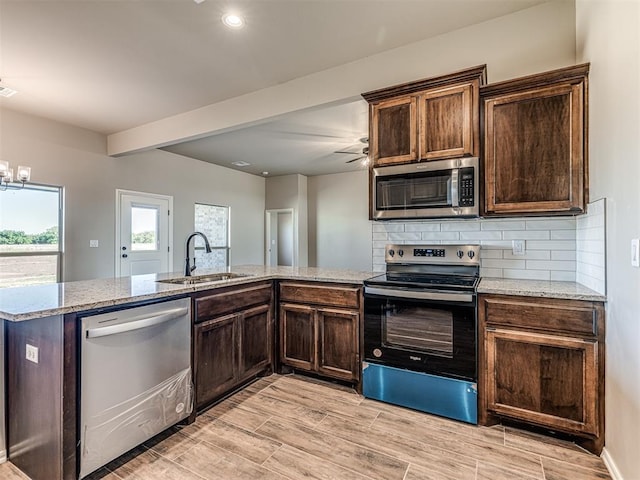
x=434 y=189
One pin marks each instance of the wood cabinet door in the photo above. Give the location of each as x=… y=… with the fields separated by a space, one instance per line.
x=215 y=358
x=543 y=379
x=297 y=336
x=255 y=341
x=337 y=343
x=534 y=151
x=449 y=122
x=393 y=129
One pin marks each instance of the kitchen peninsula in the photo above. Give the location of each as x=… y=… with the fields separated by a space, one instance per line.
x=233 y=325
x=47 y=316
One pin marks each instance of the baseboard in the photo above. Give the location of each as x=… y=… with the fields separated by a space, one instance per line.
x=611 y=465
x=3 y=456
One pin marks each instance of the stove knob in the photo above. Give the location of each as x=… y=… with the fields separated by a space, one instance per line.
x=471 y=253
x=401 y=252
x=392 y=252
x=460 y=253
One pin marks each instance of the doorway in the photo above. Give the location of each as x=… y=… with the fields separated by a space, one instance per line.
x=144 y=233
x=280 y=238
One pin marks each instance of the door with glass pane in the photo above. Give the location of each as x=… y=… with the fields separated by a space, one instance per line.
x=144 y=234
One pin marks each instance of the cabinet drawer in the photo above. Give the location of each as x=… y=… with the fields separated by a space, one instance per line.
x=320 y=294
x=549 y=315
x=231 y=300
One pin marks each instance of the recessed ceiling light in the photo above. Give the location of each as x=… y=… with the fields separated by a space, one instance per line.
x=233 y=21
x=240 y=163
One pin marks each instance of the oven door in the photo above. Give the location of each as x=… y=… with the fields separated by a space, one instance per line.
x=421 y=330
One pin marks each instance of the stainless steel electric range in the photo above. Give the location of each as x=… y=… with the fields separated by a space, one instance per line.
x=420 y=330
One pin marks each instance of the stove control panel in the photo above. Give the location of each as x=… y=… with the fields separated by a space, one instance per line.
x=428 y=252
x=433 y=254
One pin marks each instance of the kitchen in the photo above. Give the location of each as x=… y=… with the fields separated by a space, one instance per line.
x=63 y=155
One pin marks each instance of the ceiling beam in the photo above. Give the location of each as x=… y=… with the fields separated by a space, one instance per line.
x=512 y=45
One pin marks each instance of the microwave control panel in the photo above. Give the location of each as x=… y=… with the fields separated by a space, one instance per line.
x=466 y=187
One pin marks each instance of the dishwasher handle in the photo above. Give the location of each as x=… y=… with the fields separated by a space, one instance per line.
x=137 y=324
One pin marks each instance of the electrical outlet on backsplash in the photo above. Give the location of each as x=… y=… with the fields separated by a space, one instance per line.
x=556 y=248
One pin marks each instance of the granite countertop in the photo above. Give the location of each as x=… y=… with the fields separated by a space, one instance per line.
x=539 y=288
x=26 y=303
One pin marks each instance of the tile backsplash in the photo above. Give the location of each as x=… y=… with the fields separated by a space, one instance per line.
x=590 y=247
x=550 y=244
x=556 y=248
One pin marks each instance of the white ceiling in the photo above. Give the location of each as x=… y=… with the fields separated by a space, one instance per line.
x=111 y=65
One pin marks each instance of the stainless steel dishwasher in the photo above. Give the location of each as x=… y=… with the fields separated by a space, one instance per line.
x=135 y=378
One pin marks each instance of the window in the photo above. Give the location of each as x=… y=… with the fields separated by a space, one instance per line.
x=213 y=221
x=30 y=243
x=144 y=228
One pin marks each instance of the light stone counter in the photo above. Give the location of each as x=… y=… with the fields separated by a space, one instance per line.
x=26 y=303
x=539 y=288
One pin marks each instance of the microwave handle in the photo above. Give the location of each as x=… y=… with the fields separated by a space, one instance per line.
x=455 y=199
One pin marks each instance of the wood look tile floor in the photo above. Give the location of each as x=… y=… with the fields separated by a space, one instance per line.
x=293 y=427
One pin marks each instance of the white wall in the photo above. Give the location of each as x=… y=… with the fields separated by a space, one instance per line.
x=339 y=229
x=76 y=159
x=608 y=36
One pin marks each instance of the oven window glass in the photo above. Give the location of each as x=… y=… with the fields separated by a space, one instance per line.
x=421 y=329
x=418 y=190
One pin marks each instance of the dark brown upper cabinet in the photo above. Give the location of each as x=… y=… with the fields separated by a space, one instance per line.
x=535 y=144
x=426 y=120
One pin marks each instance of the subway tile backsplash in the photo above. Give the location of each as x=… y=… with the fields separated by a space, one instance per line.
x=542 y=236
x=590 y=247
x=562 y=249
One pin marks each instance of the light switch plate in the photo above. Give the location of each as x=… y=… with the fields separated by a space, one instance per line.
x=94 y=243
x=517 y=247
x=32 y=353
x=635 y=252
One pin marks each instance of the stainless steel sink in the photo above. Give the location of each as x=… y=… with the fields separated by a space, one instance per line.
x=197 y=279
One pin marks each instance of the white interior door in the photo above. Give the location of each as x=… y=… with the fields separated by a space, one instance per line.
x=144 y=233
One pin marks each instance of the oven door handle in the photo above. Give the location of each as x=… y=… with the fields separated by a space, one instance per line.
x=420 y=295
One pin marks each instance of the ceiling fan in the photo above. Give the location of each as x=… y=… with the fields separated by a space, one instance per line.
x=355 y=150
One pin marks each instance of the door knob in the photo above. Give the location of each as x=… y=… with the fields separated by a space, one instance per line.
x=124 y=248
x=124 y=255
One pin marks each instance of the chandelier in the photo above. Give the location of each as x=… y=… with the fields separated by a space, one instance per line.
x=7 y=181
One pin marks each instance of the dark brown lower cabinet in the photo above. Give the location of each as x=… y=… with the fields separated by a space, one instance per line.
x=337 y=343
x=41 y=397
x=230 y=349
x=542 y=363
x=297 y=336
x=323 y=339
x=217 y=371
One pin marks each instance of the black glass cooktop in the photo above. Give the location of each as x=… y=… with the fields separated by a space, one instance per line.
x=425 y=280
